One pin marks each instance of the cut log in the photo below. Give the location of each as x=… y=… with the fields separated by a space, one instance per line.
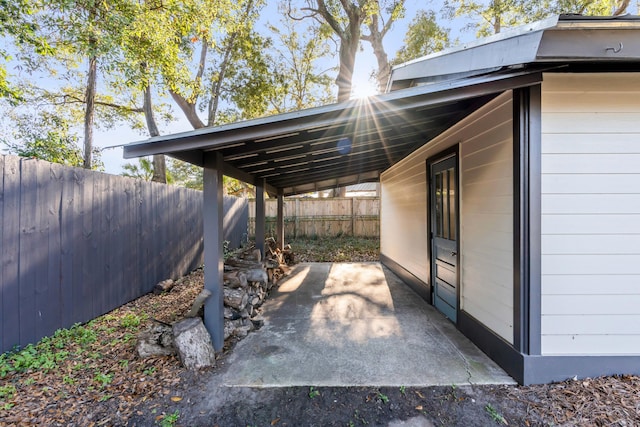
x=235 y=298
x=253 y=255
x=193 y=343
x=198 y=303
x=257 y=275
x=240 y=281
x=230 y=275
x=240 y=263
x=164 y=286
x=155 y=341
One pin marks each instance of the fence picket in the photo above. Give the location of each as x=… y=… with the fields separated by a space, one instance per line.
x=323 y=217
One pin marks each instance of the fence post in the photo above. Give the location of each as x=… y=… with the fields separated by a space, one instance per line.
x=353 y=216
x=296 y=222
x=280 y=219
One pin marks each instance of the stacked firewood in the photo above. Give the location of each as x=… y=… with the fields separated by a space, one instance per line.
x=248 y=279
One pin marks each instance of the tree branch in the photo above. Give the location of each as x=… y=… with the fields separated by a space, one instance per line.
x=333 y=23
x=72 y=99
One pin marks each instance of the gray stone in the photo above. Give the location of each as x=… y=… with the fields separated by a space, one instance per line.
x=193 y=343
x=156 y=341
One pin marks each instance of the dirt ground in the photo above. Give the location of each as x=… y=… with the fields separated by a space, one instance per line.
x=205 y=404
x=607 y=401
x=91 y=375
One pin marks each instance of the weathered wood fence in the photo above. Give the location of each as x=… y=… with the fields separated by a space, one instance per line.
x=76 y=244
x=322 y=217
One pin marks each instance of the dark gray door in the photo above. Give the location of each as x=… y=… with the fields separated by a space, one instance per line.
x=444 y=239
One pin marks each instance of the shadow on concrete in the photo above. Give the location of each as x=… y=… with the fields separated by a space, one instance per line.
x=355 y=324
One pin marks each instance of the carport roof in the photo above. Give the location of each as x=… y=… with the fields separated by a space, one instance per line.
x=334 y=145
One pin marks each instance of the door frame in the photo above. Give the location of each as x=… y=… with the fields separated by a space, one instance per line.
x=453 y=151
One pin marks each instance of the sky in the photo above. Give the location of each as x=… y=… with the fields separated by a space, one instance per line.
x=110 y=141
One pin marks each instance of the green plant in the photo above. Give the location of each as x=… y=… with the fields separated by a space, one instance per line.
x=7 y=406
x=495 y=415
x=170 y=419
x=130 y=321
x=124 y=363
x=103 y=379
x=104 y=398
x=7 y=391
x=383 y=397
x=29 y=381
x=403 y=390
x=313 y=393
x=149 y=371
x=68 y=380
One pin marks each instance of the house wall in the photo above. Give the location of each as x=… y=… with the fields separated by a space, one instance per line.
x=486 y=220
x=486 y=257
x=590 y=214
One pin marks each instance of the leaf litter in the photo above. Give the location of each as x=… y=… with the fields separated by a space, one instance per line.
x=90 y=375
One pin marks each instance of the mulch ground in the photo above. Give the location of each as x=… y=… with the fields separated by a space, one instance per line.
x=90 y=375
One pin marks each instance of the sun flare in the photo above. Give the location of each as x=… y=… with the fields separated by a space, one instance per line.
x=364 y=89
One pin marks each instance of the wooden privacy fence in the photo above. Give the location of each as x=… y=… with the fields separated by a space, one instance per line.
x=322 y=217
x=76 y=244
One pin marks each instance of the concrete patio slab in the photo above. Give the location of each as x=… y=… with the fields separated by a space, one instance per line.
x=355 y=324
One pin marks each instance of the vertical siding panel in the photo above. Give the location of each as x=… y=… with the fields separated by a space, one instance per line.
x=9 y=256
x=129 y=254
x=118 y=285
x=29 y=234
x=67 y=239
x=11 y=252
x=145 y=230
x=99 y=239
x=51 y=308
x=83 y=295
x=41 y=255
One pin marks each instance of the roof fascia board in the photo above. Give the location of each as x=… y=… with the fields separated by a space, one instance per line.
x=614 y=44
x=486 y=53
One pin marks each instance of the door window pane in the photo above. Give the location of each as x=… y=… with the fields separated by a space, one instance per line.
x=438 y=204
x=452 y=205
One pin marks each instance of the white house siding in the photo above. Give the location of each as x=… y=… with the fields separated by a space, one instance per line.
x=486 y=227
x=591 y=214
x=486 y=218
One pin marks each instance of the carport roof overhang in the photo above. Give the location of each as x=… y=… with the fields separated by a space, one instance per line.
x=334 y=145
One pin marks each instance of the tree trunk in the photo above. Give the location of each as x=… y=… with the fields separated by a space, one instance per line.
x=347 y=55
x=621 y=8
x=189 y=110
x=159 y=163
x=89 y=112
x=375 y=38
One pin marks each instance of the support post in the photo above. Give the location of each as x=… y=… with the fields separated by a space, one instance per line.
x=280 y=220
x=213 y=215
x=260 y=217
